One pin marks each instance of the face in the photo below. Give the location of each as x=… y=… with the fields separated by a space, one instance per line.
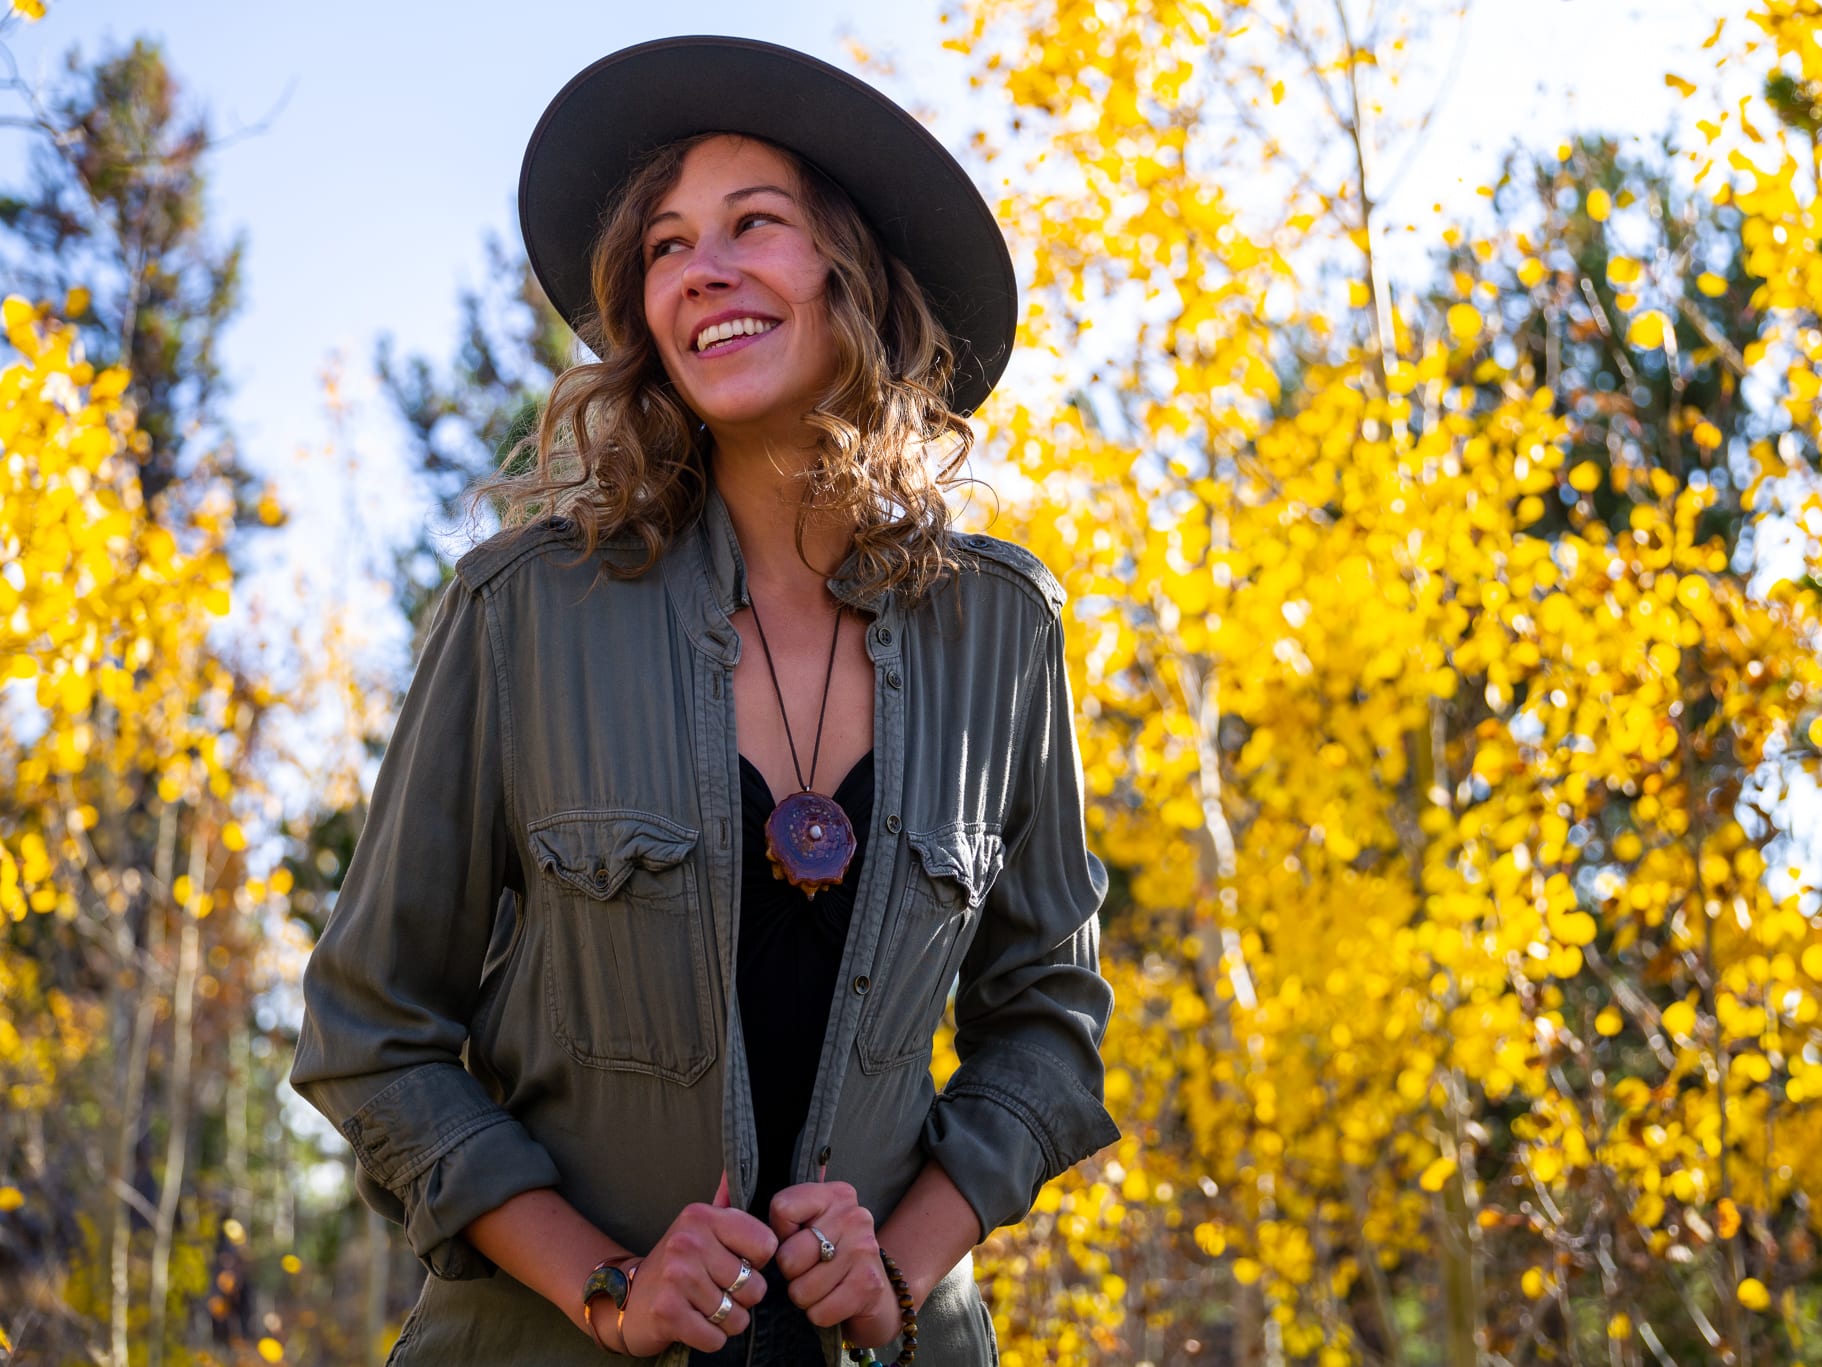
x=735 y=289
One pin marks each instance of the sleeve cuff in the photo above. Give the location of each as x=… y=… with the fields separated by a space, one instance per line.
x=1000 y=1138
x=479 y=1158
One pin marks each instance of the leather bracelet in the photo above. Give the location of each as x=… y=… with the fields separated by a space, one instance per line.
x=907 y=1335
x=608 y=1280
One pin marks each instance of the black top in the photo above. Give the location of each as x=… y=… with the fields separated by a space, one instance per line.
x=790 y=952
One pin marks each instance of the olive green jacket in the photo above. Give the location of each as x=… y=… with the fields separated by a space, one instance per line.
x=528 y=978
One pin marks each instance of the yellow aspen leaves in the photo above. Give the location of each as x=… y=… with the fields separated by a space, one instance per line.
x=1812 y=961
x=1647 y=331
x=1679 y=1019
x=1752 y=1294
x=271 y=1349
x=1727 y=1218
x=1419 y=706
x=1586 y=477
x=1465 y=322
x=1437 y=1174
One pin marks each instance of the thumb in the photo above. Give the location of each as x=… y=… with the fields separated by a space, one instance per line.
x=721 y=1192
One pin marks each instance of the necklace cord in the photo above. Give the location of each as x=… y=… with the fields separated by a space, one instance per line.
x=821 y=712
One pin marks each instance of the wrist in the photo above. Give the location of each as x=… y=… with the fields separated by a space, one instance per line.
x=604 y=1298
x=899 y=1308
x=914 y=1266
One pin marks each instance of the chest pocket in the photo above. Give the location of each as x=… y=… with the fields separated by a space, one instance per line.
x=928 y=936
x=626 y=970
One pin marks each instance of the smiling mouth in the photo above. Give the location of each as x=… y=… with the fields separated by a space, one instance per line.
x=721 y=334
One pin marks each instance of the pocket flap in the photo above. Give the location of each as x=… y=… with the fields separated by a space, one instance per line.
x=596 y=852
x=968 y=856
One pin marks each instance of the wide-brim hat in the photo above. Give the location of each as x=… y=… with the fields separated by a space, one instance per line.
x=917 y=198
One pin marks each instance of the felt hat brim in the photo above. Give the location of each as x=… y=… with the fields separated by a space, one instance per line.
x=917 y=198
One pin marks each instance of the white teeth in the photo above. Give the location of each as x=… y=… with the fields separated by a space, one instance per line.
x=734 y=327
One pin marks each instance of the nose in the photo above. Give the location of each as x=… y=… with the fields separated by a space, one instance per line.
x=709 y=268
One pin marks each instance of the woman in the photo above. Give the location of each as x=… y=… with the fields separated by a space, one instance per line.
x=636 y=1051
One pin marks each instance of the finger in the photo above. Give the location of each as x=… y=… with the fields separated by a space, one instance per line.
x=736 y=1319
x=859 y=1291
x=721 y=1192
x=797 y=1255
x=692 y=1310
x=675 y=1317
x=811 y=1278
x=842 y=1223
x=743 y=1235
x=812 y=1287
x=797 y=1206
x=751 y=1289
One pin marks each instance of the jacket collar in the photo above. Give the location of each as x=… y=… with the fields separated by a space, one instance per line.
x=707 y=578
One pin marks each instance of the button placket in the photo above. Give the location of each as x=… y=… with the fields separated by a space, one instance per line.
x=884 y=649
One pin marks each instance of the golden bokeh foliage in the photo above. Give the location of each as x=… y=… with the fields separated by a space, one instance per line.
x=126 y=738
x=1448 y=671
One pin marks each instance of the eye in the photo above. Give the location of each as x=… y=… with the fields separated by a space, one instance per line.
x=755 y=218
x=662 y=248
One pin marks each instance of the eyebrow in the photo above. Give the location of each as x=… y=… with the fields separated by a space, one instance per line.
x=734 y=198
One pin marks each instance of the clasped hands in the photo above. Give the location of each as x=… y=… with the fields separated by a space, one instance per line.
x=677 y=1293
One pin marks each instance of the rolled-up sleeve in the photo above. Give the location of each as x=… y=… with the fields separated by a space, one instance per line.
x=1031 y=1007
x=391 y=986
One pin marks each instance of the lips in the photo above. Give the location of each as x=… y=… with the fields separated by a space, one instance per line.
x=724 y=331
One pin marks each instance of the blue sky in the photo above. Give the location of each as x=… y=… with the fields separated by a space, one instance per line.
x=393 y=132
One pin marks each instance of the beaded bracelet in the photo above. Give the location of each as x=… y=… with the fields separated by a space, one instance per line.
x=907 y=1337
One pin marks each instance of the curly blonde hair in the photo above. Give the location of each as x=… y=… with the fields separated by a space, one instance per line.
x=619 y=453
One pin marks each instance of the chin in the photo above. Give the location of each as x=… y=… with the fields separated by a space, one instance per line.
x=755 y=411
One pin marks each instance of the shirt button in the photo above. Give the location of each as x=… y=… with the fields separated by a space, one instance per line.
x=893 y=824
x=893 y=680
x=883 y=636
x=823 y=1157
x=862 y=985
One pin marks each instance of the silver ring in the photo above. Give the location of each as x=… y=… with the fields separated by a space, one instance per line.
x=722 y=1310
x=746 y=1271
x=826 y=1253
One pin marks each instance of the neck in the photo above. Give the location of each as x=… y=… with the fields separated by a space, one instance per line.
x=761 y=488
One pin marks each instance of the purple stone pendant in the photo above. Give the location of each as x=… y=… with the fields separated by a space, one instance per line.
x=810 y=842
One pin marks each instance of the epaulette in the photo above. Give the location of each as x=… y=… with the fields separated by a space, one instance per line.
x=1022 y=562
x=499 y=553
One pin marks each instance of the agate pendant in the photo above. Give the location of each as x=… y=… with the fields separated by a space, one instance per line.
x=810 y=842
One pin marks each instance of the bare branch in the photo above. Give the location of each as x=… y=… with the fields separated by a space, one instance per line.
x=1442 y=95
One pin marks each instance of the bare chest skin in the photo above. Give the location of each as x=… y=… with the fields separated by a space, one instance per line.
x=800 y=651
